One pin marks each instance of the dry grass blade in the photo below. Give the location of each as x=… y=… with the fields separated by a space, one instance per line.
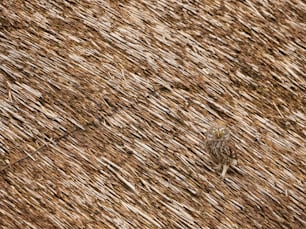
x=102 y=104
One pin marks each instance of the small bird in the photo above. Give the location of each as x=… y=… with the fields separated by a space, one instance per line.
x=221 y=148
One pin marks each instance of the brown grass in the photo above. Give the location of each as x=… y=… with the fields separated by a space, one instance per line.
x=102 y=104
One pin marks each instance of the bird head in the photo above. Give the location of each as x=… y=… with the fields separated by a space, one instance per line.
x=219 y=132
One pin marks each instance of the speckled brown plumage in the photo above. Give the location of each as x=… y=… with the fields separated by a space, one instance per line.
x=221 y=148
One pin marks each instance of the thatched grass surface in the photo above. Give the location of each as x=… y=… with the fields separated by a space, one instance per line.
x=102 y=104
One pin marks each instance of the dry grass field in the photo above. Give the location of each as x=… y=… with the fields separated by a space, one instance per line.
x=102 y=104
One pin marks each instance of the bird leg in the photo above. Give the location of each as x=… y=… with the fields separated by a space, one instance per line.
x=224 y=170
